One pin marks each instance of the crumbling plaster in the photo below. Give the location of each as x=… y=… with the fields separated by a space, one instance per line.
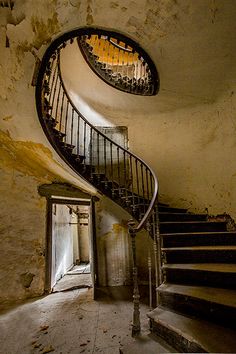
x=114 y=246
x=192 y=145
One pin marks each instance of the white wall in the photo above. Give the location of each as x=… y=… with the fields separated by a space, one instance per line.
x=62 y=242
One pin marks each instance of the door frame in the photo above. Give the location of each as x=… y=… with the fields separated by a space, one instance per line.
x=48 y=244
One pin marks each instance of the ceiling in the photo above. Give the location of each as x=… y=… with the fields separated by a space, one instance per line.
x=192 y=44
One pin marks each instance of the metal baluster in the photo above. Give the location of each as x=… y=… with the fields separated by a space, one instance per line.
x=67 y=106
x=131 y=176
x=105 y=156
x=124 y=171
x=123 y=65
x=54 y=92
x=51 y=84
x=72 y=125
x=137 y=180
x=84 y=131
x=158 y=237
x=143 y=74
x=98 y=157
x=147 y=183
x=61 y=116
x=143 y=190
x=118 y=164
x=149 y=263
x=111 y=164
x=157 y=254
x=58 y=100
x=91 y=148
x=78 y=133
x=136 y=327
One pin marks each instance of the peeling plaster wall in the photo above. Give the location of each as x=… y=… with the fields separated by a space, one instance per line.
x=188 y=130
x=26 y=157
x=114 y=261
x=194 y=155
x=114 y=246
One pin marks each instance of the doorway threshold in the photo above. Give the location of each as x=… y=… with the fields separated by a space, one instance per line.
x=73 y=281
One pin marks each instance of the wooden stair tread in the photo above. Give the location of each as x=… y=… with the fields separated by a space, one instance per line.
x=210 y=337
x=204 y=233
x=209 y=267
x=226 y=297
x=194 y=222
x=166 y=212
x=196 y=248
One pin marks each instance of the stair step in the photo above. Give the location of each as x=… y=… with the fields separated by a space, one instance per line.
x=207 y=274
x=211 y=304
x=192 y=226
x=78 y=158
x=107 y=184
x=189 y=335
x=120 y=191
x=86 y=170
x=52 y=122
x=200 y=254
x=167 y=209
x=67 y=147
x=199 y=239
x=97 y=177
x=163 y=217
x=59 y=135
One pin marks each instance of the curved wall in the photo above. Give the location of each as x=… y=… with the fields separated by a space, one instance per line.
x=187 y=132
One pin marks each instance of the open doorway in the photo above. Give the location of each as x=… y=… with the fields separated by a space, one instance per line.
x=70 y=251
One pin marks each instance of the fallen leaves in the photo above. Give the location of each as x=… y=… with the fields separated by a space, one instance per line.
x=48 y=349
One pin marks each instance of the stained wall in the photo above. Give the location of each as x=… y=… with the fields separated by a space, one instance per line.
x=187 y=132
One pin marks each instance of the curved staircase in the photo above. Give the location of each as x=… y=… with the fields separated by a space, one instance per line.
x=194 y=256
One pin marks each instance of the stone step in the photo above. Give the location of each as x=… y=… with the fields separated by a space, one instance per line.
x=200 y=254
x=211 y=304
x=163 y=217
x=189 y=335
x=199 y=239
x=207 y=274
x=192 y=226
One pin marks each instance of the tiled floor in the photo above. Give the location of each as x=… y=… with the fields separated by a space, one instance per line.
x=71 y=323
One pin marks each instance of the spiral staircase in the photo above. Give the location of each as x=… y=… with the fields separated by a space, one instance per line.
x=194 y=270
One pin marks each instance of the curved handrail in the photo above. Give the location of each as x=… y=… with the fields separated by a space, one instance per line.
x=73 y=137
x=45 y=86
x=155 y=193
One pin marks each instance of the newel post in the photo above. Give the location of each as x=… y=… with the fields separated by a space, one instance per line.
x=136 y=312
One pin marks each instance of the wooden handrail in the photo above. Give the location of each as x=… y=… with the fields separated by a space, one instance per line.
x=142 y=223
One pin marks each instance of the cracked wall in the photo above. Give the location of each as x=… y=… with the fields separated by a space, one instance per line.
x=114 y=246
x=187 y=131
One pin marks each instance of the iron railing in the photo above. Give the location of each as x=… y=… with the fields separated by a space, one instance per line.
x=114 y=170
